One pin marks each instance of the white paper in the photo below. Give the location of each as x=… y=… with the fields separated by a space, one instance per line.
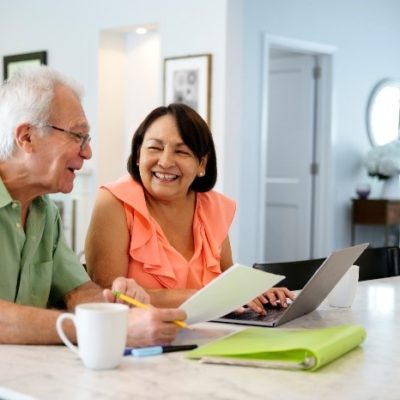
x=232 y=289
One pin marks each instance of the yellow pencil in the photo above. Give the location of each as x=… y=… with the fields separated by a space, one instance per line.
x=138 y=304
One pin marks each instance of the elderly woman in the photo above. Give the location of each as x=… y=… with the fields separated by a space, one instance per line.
x=163 y=225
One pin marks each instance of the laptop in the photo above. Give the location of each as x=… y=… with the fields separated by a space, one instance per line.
x=310 y=297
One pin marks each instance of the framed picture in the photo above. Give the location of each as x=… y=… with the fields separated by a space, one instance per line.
x=12 y=63
x=188 y=80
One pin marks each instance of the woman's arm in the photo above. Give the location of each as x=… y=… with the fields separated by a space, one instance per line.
x=107 y=241
x=226 y=255
x=107 y=245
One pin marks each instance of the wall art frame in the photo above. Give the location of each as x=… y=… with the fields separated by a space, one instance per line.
x=187 y=80
x=13 y=62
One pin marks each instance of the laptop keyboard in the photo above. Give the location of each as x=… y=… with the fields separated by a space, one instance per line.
x=250 y=315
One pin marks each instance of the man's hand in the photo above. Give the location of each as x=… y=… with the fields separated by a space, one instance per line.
x=153 y=326
x=146 y=326
x=128 y=287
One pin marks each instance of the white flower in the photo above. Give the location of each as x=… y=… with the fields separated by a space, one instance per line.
x=384 y=161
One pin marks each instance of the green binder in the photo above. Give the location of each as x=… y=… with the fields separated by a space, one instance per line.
x=308 y=349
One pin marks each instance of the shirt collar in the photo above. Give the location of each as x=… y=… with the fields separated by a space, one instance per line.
x=5 y=197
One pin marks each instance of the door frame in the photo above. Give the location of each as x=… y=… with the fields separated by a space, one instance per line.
x=322 y=222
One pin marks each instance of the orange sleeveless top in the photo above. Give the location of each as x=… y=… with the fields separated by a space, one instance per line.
x=153 y=262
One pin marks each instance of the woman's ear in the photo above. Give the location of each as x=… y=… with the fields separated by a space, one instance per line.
x=203 y=164
x=23 y=137
x=203 y=161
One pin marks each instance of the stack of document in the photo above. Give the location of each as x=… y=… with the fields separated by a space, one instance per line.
x=282 y=348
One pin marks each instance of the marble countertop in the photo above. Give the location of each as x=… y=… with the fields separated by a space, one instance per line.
x=368 y=372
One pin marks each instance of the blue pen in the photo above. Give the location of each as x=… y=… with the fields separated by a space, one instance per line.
x=155 y=350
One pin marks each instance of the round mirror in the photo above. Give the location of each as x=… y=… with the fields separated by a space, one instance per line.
x=383 y=112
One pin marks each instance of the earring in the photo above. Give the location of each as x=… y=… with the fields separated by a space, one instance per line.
x=201 y=174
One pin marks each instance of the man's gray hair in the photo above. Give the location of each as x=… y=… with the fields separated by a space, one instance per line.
x=26 y=98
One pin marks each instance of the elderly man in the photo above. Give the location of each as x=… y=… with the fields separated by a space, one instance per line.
x=43 y=140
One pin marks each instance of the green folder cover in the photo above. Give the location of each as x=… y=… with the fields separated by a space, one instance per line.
x=308 y=349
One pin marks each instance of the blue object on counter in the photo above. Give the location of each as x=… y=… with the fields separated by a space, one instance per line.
x=155 y=350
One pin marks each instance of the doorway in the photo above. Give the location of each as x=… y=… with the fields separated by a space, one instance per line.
x=296 y=131
x=129 y=88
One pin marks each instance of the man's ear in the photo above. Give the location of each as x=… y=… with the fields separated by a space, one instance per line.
x=23 y=137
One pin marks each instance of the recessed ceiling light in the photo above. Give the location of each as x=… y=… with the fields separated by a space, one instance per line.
x=141 y=30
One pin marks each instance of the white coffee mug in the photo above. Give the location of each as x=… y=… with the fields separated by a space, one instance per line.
x=342 y=295
x=101 y=331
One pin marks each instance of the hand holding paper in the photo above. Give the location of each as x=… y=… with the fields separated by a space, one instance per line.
x=232 y=289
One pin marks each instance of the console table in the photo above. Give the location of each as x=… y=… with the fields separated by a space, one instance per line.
x=375 y=212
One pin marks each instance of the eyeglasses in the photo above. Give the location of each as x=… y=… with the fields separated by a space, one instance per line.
x=84 y=139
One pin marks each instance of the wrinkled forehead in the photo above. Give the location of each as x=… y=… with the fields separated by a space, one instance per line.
x=67 y=111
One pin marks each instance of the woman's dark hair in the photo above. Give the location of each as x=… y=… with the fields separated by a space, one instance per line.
x=195 y=134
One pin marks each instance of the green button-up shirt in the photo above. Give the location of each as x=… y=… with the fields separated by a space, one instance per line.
x=37 y=267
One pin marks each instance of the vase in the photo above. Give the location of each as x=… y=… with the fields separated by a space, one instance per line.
x=391 y=188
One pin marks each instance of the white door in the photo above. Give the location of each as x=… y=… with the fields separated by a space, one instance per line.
x=290 y=153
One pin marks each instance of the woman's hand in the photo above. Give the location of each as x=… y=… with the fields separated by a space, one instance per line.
x=276 y=296
x=128 y=287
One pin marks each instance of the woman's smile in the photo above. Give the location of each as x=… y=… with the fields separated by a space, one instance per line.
x=165 y=177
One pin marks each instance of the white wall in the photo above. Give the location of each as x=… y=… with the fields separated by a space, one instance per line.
x=232 y=160
x=366 y=35
x=112 y=95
